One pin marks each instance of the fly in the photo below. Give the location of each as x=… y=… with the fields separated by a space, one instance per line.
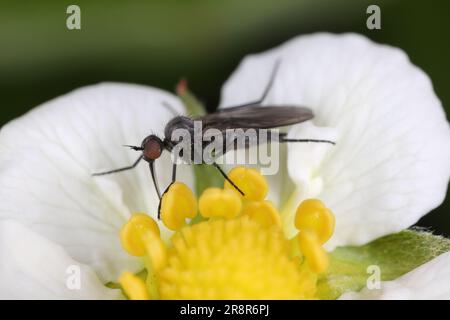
x=247 y=116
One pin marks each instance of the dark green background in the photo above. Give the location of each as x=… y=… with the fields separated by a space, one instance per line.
x=157 y=42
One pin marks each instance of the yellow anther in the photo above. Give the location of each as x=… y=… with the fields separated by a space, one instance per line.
x=249 y=181
x=262 y=212
x=241 y=252
x=133 y=286
x=233 y=259
x=219 y=203
x=131 y=234
x=312 y=215
x=177 y=204
x=310 y=246
x=156 y=251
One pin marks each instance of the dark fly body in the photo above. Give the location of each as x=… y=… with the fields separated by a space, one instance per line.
x=247 y=116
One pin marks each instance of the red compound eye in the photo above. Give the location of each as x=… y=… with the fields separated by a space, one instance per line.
x=152 y=148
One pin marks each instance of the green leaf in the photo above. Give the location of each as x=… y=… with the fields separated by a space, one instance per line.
x=395 y=255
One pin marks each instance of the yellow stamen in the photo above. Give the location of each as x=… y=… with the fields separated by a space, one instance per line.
x=238 y=251
x=312 y=215
x=133 y=286
x=219 y=203
x=177 y=204
x=156 y=251
x=233 y=259
x=263 y=212
x=310 y=246
x=132 y=232
x=249 y=181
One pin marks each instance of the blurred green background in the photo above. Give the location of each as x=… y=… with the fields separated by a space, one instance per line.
x=158 y=42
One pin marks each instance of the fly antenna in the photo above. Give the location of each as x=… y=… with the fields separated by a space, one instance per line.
x=135 y=148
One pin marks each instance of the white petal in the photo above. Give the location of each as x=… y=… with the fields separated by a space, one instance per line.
x=430 y=281
x=48 y=155
x=391 y=162
x=32 y=267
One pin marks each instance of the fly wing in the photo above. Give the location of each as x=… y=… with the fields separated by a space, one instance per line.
x=256 y=117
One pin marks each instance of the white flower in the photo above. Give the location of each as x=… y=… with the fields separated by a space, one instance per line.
x=389 y=167
x=33 y=267
x=391 y=162
x=46 y=160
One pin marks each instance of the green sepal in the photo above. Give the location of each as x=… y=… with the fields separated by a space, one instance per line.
x=395 y=255
x=192 y=105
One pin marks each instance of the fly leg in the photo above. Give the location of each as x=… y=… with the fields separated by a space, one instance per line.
x=227 y=178
x=283 y=138
x=174 y=178
x=266 y=90
x=171 y=109
x=120 y=169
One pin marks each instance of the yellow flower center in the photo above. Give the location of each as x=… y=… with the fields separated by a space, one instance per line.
x=232 y=259
x=238 y=251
